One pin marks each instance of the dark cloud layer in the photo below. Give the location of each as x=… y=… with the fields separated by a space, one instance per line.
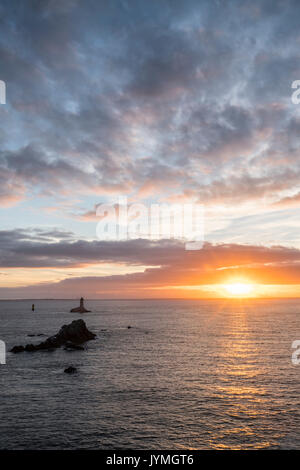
x=40 y=248
x=167 y=263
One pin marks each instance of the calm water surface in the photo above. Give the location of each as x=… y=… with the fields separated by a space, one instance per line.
x=189 y=374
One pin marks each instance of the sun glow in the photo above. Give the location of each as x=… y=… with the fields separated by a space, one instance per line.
x=239 y=289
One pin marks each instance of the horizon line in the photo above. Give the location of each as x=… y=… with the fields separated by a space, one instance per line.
x=155 y=298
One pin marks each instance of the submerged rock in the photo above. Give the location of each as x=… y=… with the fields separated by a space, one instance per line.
x=70 y=370
x=75 y=333
x=72 y=346
x=81 y=308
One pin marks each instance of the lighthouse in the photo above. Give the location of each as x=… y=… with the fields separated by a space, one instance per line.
x=81 y=308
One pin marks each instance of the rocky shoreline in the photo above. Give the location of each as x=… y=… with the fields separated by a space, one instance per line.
x=70 y=336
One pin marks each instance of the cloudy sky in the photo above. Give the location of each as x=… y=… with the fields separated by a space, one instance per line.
x=163 y=102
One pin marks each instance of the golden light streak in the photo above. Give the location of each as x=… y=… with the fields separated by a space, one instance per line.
x=239 y=289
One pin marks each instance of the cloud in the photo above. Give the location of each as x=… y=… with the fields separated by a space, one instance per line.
x=289 y=201
x=168 y=264
x=120 y=98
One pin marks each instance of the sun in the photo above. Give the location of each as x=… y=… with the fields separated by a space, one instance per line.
x=239 y=289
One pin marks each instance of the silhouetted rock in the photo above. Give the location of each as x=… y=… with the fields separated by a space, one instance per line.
x=70 y=370
x=75 y=333
x=81 y=308
x=17 y=349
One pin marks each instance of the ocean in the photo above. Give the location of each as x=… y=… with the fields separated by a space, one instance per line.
x=189 y=374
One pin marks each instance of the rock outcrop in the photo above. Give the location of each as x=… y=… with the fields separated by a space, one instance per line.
x=81 y=308
x=70 y=370
x=75 y=333
x=17 y=349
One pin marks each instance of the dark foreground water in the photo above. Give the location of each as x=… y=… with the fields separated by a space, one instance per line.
x=189 y=374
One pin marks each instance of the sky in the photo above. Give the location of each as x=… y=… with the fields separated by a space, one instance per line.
x=161 y=102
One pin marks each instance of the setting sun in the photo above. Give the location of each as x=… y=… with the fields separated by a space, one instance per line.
x=239 y=289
